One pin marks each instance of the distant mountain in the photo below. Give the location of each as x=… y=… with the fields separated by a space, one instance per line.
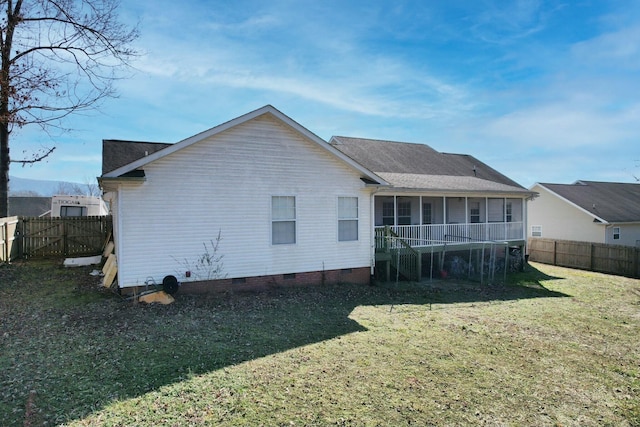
x=19 y=186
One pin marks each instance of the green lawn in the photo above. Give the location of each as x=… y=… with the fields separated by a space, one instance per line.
x=553 y=347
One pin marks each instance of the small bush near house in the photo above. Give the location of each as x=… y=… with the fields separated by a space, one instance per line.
x=553 y=347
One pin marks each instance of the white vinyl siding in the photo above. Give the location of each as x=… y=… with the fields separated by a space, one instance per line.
x=225 y=183
x=347 y=219
x=283 y=220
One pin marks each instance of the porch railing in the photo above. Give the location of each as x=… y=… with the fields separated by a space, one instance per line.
x=437 y=234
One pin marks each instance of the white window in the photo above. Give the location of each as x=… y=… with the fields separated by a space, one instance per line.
x=283 y=220
x=616 y=233
x=347 y=219
x=509 y=212
x=536 y=231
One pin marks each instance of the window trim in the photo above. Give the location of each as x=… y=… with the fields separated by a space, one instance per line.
x=294 y=220
x=349 y=219
x=536 y=231
x=616 y=235
x=474 y=217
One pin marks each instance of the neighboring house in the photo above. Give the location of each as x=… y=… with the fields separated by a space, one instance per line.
x=587 y=211
x=32 y=206
x=290 y=207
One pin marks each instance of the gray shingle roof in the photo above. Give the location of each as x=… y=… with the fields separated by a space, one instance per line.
x=117 y=153
x=611 y=201
x=28 y=205
x=446 y=183
x=418 y=166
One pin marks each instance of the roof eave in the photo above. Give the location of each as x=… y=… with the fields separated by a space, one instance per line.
x=484 y=193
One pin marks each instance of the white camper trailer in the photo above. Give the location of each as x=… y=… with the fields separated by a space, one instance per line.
x=62 y=206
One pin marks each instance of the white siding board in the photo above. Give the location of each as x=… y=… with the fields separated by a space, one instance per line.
x=226 y=183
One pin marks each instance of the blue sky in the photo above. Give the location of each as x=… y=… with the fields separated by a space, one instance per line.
x=543 y=91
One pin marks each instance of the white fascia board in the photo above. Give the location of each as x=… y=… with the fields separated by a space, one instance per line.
x=328 y=147
x=440 y=192
x=580 y=208
x=235 y=122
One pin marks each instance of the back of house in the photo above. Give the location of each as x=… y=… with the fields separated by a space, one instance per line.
x=256 y=200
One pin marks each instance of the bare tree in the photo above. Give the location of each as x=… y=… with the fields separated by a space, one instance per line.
x=88 y=188
x=57 y=57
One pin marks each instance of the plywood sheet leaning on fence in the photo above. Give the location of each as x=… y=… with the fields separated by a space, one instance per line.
x=108 y=249
x=110 y=269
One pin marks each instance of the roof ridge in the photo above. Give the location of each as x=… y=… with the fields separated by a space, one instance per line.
x=378 y=140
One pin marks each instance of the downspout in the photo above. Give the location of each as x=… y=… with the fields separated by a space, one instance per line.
x=117 y=234
x=525 y=229
x=372 y=227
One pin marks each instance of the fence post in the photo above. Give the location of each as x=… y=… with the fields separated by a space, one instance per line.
x=65 y=243
x=555 y=246
x=23 y=236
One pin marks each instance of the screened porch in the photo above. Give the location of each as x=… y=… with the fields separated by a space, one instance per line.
x=425 y=221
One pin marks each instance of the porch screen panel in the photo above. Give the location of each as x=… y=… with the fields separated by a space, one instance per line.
x=283 y=220
x=347 y=219
x=388 y=213
x=426 y=213
x=496 y=210
x=404 y=212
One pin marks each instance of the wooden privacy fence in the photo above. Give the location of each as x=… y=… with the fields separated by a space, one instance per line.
x=26 y=237
x=614 y=259
x=8 y=248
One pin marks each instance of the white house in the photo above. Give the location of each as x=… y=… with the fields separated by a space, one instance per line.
x=587 y=211
x=290 y=207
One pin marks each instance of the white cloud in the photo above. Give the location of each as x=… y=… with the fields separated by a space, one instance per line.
x=616 y=49
x=565 y=126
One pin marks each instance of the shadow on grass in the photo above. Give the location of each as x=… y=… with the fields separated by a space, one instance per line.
x=522 y=285
x=68 y=350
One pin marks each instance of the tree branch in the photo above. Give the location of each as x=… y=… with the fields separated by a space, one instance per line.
x=35 y=159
